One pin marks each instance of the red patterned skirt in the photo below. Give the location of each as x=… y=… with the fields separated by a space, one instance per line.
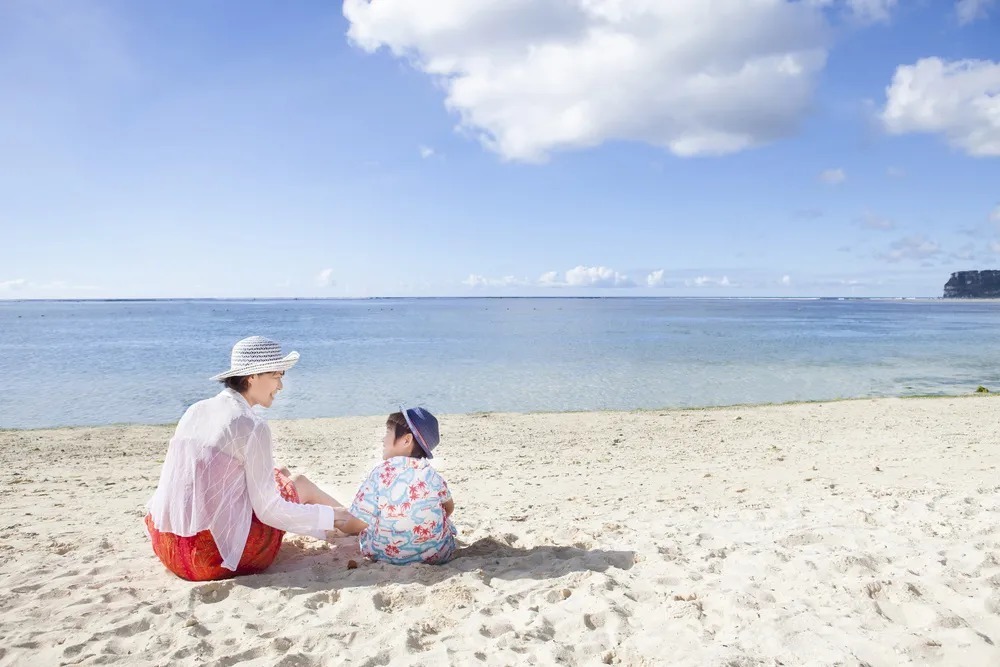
x=197 y=558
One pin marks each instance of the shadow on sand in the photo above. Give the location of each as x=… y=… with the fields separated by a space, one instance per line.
x=320 y=568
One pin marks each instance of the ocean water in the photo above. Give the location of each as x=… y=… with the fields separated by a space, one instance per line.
x=101 y=362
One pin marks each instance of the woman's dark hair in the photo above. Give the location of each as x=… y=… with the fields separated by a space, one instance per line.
x=400 y=428
x=238 y=383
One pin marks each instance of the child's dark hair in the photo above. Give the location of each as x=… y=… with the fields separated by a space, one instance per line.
x=397 y=422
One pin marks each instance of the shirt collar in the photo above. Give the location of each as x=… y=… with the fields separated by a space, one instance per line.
x=406 y=462
x=236 y=396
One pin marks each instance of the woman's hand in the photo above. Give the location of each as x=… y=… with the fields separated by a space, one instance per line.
x=344 y=523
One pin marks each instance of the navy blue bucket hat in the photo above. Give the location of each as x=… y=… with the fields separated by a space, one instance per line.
x=424 y=427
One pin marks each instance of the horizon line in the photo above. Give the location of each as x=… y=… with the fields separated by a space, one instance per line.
x=428 y=297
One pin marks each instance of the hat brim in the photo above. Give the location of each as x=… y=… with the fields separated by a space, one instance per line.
x=282 y=364
x=416 y=433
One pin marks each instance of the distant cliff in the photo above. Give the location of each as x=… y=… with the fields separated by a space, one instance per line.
x=973 y=285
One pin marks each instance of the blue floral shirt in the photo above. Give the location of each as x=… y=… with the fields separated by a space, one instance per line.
x=402 y=501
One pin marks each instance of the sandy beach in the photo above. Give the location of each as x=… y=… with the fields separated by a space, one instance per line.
x=842 y=533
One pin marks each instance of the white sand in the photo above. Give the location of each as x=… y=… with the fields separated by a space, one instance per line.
x=860 y=532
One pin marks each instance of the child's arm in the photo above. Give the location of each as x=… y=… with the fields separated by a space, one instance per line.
x=449 y=506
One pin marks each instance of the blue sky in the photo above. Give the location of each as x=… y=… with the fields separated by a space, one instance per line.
x=495 y=147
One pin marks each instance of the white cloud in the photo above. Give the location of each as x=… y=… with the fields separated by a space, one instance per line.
x=833 y=176
x=855 y=282
x=872 y=11
x=969 y=11
x=995 y=215
x=475 y=280
x=708 y=281
x=914 y=248
x=786 y=281
x=895 y=172
x=960 y=100
x=549 y=279
x=426 y=152
x=596 y=276
x=655 y=279
x=863 y=11
x=872 y=221
x=966 y=253
x=586 y=276
x=529 y=77
x=16 y=284
x=995 y=247
x=808 y=214
x=325 y=278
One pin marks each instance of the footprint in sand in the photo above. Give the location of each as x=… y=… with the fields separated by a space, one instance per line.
x=558 y=595
x=61 y=549
x=391 y=601
x=159 y=608
x=593 y=621
x=496 y=630
x=415 y=641
x=125 y=630
x=297 y=660
x=26 y=589
x=217 y=591
x=314 y=602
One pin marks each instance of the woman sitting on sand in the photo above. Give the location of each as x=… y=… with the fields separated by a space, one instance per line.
x=221 y=507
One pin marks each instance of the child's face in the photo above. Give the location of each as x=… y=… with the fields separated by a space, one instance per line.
x=392 y=447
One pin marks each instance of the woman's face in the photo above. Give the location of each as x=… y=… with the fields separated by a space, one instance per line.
x=263 y=388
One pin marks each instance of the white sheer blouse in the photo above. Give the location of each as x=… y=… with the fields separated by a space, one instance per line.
x=219 y=470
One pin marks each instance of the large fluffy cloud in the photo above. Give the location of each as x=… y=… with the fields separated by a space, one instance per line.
x=960 y=100
x=529 y=77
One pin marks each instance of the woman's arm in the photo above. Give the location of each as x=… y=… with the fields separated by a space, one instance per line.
x=268 y=505
x=351 y=525
x=449 y=506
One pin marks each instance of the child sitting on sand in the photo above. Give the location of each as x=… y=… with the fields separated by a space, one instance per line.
x=402 y=510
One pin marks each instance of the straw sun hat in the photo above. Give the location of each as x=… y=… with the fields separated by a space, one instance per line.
x=257 y=355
